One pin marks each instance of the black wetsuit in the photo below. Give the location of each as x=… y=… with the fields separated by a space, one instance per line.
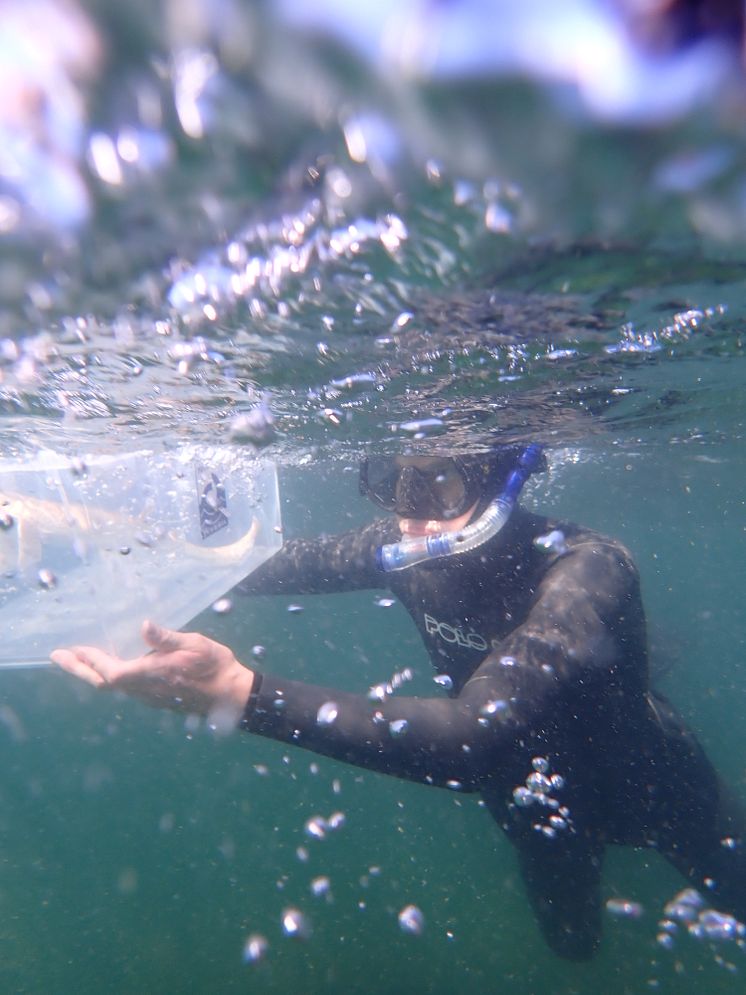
x=548 y=663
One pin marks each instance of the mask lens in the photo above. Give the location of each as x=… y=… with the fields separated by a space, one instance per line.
x=378 y=480
x=416 y=487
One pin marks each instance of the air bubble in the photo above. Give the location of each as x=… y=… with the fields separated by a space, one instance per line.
x=497 y=219
x=355 y=381
x=320 y=886
x=493 y=707
x=411 y=920
x=295 y=924
x=665 y=940
x=623 y=908
x=336 y=820
x=539 y=783
x=327 y=714
x=255 y=948
x=332 y=415
x=315 y=827
x=553 y=542
x=257 y=425
x=47 y=579
x=444 y=680
x=422 y=426
x=523 y=797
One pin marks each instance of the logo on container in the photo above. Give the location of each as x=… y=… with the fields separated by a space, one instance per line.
x=213 y=502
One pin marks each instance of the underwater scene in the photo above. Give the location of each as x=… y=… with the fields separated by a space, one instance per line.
x=484 y=264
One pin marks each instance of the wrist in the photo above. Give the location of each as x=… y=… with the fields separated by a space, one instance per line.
x=239 y=686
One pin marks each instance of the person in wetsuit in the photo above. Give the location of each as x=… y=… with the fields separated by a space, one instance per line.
x=537 y=633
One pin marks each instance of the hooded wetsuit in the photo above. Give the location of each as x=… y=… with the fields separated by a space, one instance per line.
x=546 y=653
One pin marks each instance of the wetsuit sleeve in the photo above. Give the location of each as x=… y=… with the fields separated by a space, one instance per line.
x=326 y=565
x=525 y=695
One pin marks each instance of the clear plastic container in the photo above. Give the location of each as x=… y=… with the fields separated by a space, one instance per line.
x=90 y=547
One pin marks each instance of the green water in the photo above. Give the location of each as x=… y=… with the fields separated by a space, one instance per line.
x=144 y=853
x=139 y=850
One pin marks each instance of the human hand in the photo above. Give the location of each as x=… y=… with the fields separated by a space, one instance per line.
x=185 y=671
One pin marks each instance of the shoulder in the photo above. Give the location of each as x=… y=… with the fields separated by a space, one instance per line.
x=557 y=536
x=571 y=554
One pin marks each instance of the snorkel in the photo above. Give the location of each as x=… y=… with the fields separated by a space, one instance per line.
x=418 y=549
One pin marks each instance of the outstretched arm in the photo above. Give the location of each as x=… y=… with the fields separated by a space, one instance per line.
x=525 y=696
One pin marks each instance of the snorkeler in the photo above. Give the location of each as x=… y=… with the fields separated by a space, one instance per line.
x=536 y=631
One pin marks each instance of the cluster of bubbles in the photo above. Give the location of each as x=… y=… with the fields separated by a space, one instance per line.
x=397 y=727
x=293 y=923
x=689 y=914
x=380 y=692
x=494 y=708
x=302 y=242
x=682 y=327
x=538 y=792
x=317 y=827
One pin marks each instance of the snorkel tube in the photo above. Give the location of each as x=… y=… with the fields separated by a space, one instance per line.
x=418 y=549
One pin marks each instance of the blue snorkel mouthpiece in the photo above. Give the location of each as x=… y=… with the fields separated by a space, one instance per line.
x=419 y=549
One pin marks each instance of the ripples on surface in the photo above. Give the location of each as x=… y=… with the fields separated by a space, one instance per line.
x=361 y=332
x=370 y=290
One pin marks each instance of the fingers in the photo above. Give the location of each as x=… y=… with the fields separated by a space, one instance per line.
x=76 y=663
x=100 y=669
